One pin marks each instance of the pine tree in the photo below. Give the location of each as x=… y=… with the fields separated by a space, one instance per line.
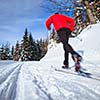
x=25 y=47
x=12 y=53
x=42 y=48
x=32 y=48
x=12 y=50
x=5 y=51
x=2 y=52
x=17 y=52
x=31 y=53
x=38 y=51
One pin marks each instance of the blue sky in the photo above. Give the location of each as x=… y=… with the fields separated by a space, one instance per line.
x=16 y=15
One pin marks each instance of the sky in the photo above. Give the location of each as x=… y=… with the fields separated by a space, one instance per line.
x=16 y=15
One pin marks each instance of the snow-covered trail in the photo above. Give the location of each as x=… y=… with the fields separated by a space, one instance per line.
x=44 y=83
x=39 y=81
x=30 y=77
x=8 y=79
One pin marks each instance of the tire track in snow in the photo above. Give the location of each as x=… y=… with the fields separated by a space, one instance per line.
x=8 y=86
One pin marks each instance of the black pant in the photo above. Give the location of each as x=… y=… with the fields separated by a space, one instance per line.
x=64 y=34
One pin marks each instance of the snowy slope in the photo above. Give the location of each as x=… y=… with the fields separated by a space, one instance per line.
x=90 y=43
x=40 y=81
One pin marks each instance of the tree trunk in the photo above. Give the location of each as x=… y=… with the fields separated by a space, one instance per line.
x=89 y=12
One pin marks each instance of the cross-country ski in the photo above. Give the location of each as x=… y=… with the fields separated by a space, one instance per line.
x=80 y=73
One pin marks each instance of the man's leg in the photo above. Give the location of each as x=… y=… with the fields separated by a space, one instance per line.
x=64 y=37
x=76 y=57
x=66 y=56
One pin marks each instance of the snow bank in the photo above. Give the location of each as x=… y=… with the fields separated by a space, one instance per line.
x=55 y=52
x=90 y=43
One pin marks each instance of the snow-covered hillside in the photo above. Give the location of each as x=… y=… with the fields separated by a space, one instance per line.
x=90 y=42
x=40 y=80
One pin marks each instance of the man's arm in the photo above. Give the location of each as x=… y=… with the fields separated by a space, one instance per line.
x=71 y=22
x=48 y=23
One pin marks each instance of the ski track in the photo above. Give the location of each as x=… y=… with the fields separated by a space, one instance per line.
x=71 y=89
x=5 y=66
x=8 y=81
x=33 y=81
x=47 y=86
x=6 y=72
x=37 y=90
x=74 y=87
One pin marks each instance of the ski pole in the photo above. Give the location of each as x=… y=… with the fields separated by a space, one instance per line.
x=80 y=39
x=49 y=32
x=73 y=34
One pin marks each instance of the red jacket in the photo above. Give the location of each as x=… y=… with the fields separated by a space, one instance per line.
x=60 y=21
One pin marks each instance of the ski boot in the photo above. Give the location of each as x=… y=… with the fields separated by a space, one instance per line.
x=65 y=67
x=77 y=66
x=77 y=59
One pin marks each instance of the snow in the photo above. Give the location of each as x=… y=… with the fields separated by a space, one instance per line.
x=39 y=81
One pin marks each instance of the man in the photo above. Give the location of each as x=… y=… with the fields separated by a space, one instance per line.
x=64 y=25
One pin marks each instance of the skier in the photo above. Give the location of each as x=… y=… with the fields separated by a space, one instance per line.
x=64 y=25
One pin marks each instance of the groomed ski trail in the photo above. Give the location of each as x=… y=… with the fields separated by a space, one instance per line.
x=33 y=81
x=8 y=81
x=43 y=83
x=39 y=81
